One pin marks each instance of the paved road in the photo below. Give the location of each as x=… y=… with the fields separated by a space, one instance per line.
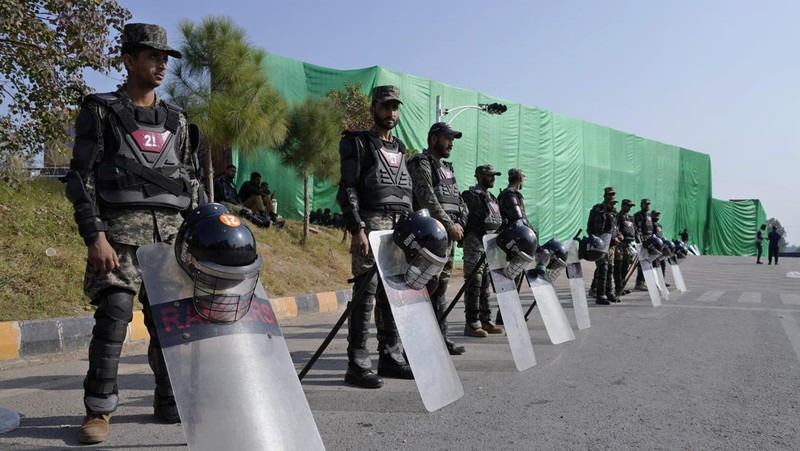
x=717 y=367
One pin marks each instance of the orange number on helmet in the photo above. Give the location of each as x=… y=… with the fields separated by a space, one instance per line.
x=230 y=220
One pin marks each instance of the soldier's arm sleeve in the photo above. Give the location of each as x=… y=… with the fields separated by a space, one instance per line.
x=422 y=184
x=347 y=196
x=510 y=207
x=638 y=225
x=80 y=189
x=472 y=206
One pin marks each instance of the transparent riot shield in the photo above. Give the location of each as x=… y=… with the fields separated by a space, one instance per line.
x=434 y=372
x=645 y=262
x=519 y=337
x=677 y=275
x=577 y=288
x=553 y=316
x=662 y=284
x=235 y=384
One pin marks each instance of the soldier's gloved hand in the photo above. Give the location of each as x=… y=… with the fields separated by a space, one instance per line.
x=101 y=256
x=456 y=232
x=360 y=244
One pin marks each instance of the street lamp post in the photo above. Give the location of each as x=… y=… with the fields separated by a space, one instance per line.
x=491 y=108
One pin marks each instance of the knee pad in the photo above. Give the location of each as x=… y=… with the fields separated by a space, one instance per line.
x=114 y=312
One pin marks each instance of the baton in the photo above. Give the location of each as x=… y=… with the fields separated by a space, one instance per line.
x=463 y=288
x=631 y=270
x=351 y=305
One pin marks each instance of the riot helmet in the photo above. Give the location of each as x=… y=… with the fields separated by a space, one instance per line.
x=669 y=248
x=423 y=241
x=218 y=252
x=518 y=242
x=558 y=254
x=591 y=248
x=654 y=246
x=680 y=249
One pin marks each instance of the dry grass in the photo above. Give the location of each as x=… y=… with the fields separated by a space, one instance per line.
x=35 y=216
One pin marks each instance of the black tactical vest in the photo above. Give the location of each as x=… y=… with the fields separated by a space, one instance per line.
x=658 y=230
x=444 y=184
x=645 y=222
x=512 y=205
x=141 y=167
x=627 y=227
x=489 y=216
x=386 y=185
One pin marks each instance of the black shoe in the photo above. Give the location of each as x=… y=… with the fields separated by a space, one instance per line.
x=611 y=297
x=389 y=368
x=165 y=409
x=454 y=349
x=363 y=378
x=667 y=284
x=759 y=263
x=624 y=292
x=602 y=300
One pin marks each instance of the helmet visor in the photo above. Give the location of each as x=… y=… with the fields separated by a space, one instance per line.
x=424 y=267
x=222 y=294
x=518 y=264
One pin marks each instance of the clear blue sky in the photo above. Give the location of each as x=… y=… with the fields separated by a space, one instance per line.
x=718 y=77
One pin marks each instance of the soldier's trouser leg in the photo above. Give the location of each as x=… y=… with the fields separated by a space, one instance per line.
x=473 y=292
x=624 y=267
x=601 y=273
x=485 y=309
x=437 y=287
x=114 y=312
x=155 y=356
x=664 y=269
x=618 y=274
x=358 y=323
x=639 y=275
x=609 y=279
x=388 y=336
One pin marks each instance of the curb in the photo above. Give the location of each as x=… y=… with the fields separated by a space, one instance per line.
x=24 y=339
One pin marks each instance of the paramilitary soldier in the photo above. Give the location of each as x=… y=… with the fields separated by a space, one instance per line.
x=605 y=222
x=435 y=188
x=597 y=210
x=622 y=257
x=374 y=194
x=658 y=230
x=644 y=230
x=510 y=200
x=130 y=177
x=484 y=217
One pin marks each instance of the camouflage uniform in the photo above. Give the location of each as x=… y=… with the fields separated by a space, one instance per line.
x=644 y=230
x=480 y=222
x=427 y=174
x=622 y=256
x=126 y=228
x=368 y=197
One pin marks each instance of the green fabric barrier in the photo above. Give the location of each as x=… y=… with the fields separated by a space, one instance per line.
x=567 y=161
x=733 y=226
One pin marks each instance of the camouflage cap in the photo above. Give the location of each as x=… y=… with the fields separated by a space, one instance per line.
x=386 y=93
x=627 y=202
x=646 y=201
x=149 y=35
x=515 y=172
x=656 y=212
x=611 y=200
x=609 y=191
x=486 y=169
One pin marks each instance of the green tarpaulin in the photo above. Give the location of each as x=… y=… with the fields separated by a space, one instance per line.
x=567 y=161
x=733 y=225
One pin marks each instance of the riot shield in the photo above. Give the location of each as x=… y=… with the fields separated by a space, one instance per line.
x=649 y=275
x=662 y=284
x=553 y=316
x=680 y=284
x=519 y=337
x=235 y=384
x=434 y=372
x=577 y=288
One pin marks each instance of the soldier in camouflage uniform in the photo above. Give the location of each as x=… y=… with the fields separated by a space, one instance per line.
x=598 y=210
x=374 y=194
x=622 y=257
x=658 y=230
x=130 y=177
x=435 y=188
x=600 y=223
x=484 y=217
x=644 y=230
